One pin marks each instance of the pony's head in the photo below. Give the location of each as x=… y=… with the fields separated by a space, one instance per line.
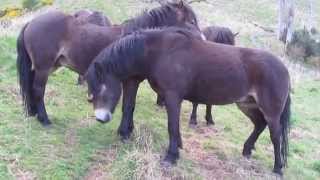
x=92 y=17
x=185 y=14
x=168 y=14
x=104 y=91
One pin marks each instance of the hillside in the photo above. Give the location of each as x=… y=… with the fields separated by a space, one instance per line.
x=77 y=147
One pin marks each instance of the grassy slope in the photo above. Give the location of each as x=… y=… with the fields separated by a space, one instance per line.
x=77 y=146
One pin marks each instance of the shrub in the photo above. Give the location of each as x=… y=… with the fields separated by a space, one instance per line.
x=30 y=4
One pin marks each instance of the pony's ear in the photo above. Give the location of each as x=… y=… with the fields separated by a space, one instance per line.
x=236 y=34
x=180 y=4
x=99 y=71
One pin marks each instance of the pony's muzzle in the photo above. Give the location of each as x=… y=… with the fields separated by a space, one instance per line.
x=103 y=115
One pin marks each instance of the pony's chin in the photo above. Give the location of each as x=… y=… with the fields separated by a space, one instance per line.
x=103 y=121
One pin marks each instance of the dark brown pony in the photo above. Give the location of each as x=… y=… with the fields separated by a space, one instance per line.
x=179 y=66
x=217 y=34
x=56 y=39
x=93 y=17
x=220 y=34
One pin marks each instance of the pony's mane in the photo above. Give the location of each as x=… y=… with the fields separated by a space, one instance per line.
x=165 y=15
x=122 y=57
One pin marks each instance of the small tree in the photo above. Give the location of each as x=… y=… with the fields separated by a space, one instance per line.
x=311 y=17
x=286 y=17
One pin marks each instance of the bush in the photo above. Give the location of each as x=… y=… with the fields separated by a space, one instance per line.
x=30 y=4
x=305 y=46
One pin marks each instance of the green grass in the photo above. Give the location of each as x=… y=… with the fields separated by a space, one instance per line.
x=77 y=146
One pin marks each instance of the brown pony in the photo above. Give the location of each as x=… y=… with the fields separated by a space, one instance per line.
x=56 y=39
x=220 y=34
x=179 y=66
x=93 y=17
x=215 y=34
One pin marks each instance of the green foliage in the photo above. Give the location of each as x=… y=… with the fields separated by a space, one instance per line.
x=316 y=166
x=30 y=4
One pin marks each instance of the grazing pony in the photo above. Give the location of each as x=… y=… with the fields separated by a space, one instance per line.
x=180 y=66
x=56 y=39
x=215 y=34
x=92 y=17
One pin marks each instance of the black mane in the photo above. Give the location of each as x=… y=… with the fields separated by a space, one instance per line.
x=122 y=58
x=165 y=15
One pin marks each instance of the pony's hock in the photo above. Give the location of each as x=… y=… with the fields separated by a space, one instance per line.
x=204 y=72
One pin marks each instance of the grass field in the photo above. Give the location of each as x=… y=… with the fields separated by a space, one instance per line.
x=77 y=147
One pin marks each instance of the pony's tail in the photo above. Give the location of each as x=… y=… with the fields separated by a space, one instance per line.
x=25 y=74
x=285 y=124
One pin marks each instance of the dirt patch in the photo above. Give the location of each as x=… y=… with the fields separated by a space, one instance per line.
x=16 y=171
x=211 y=166
x=101 y=163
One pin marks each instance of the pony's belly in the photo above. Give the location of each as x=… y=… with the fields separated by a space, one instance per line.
x=217 y=95
x=213 y=100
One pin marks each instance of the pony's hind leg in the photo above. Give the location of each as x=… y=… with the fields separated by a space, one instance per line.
x=257 y=118
x=276 y=113
x=208 y=117
x=38 y=88
x=275 y=135
x=193 y=116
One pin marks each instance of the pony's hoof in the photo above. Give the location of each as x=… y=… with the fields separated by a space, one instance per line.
x=166 y=164
x=278 y=171
x=125 y=138
x=192 y=125
x=246 y=154
x=171 y=158
x=210 y=123
x=46 y=124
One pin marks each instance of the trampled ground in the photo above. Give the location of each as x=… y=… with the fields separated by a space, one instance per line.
x=77 y=147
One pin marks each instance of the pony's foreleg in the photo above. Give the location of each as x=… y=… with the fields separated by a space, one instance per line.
x=130 y=88
x=257 y=118
x=193 y=116
x=160 y=101
x=39 y=86
x=208 y=117
x=259 y=125
x=173 y=106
